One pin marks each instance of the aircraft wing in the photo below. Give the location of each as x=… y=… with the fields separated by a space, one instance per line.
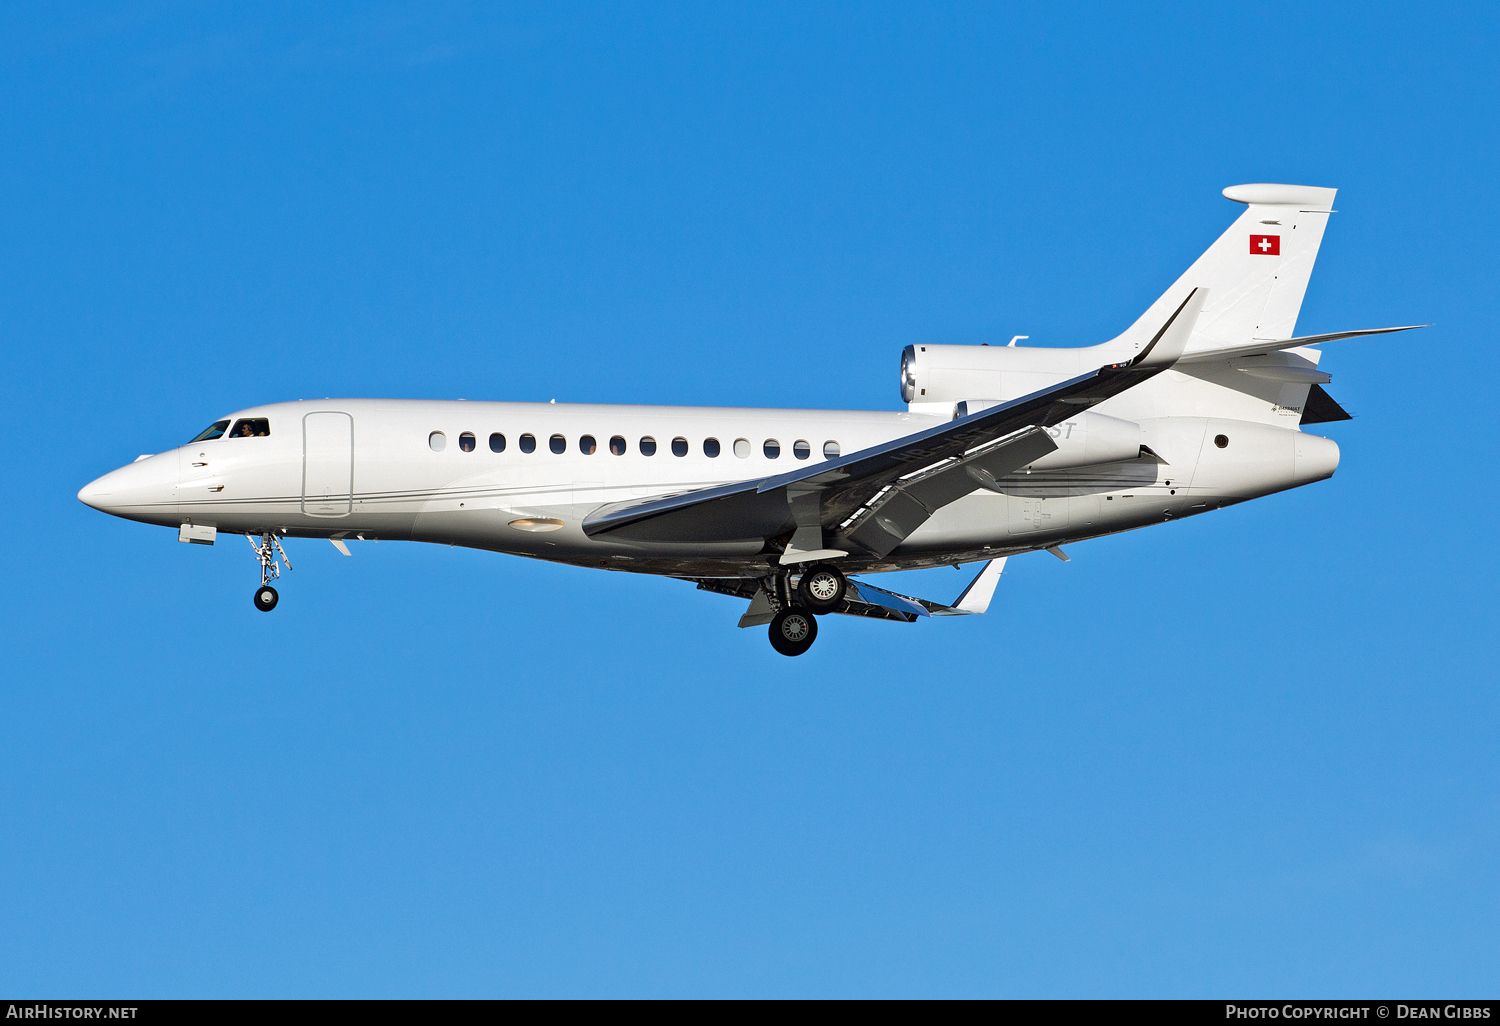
x=864 y=599
x=860 y=599
x=871 y=500
x=1262 y=346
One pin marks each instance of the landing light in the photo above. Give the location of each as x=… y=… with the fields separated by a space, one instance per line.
x=536 y=525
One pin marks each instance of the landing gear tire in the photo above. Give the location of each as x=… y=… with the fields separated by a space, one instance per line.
x=793 y=631
x=266 y=551
x=821 y=589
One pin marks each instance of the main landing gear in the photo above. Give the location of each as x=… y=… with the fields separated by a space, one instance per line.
x=795 y=626
x=266 y=550
x=821 y=588
x=793 y=631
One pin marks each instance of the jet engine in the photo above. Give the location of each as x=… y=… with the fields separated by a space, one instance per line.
x=934 y=374
x=956 y=376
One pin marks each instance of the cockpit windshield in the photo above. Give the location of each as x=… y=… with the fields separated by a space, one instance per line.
x=214 y=430
x=258 y=427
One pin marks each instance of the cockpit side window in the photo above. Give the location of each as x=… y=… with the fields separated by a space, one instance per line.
x=214 y=430
x=258 y=427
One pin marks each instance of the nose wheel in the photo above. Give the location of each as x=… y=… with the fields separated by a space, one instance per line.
x=266 y=550
x=793 y=631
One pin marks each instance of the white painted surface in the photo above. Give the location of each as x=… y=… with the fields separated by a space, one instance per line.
x=372 y=467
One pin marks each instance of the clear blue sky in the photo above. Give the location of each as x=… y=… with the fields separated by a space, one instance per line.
x=1253 y=753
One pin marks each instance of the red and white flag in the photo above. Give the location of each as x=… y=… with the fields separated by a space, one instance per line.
x=1265 y=245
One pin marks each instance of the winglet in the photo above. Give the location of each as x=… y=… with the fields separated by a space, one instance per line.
x=1172 y=339
x=976 y=597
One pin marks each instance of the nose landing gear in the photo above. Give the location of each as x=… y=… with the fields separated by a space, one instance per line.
x=266 y=550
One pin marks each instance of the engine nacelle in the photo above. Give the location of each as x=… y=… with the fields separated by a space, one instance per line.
x=956 y=375
x=935 y=374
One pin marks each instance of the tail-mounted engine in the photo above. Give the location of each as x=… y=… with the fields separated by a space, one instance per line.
x=968 y=379
x=946 y=374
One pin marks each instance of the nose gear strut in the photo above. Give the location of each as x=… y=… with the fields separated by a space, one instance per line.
x=266 y=550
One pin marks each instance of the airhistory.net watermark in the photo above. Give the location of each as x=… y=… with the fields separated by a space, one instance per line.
x=46 y=1010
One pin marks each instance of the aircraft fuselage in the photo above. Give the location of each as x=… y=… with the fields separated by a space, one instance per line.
x=430 y=471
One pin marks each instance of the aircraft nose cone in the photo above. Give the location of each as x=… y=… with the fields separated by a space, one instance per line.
x=95 y=493
x=143 y=490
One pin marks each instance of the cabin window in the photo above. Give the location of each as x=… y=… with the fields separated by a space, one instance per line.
x=214 y=430
x=617 y=446
x=558 y=444
x=830 y=449
x=679 y=446
x=259 y=427
x=648 y=446
x=587 y=445
x=772 y=448
x=437 y=441
x=466 y=441
x=1222 y=441
x=528 y=442
x=742 y=448
x=801 y=449
x=497 y=442
x=710 y=447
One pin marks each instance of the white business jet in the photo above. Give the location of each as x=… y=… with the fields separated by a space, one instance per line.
x=1198 y=405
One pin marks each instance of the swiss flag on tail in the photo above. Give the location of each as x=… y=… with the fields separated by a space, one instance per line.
x=1266 y=245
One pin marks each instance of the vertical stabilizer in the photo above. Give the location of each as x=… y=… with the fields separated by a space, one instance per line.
x=1256 y=273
